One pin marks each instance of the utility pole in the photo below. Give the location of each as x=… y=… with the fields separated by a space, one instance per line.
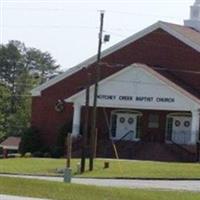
x=69 y=150
x=85 y=131
x=198 y=143
x=97 y=78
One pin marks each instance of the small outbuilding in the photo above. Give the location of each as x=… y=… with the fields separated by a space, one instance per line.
x=11 y=144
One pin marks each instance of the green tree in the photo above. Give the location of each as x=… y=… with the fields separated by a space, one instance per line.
x=4 y=107
x=22 y=69
x=11 y=67
x=30 y=141
x=41 y=63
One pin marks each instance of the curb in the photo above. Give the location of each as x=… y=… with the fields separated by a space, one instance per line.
x=27 y=174
x=143 y=178
x=101 y=178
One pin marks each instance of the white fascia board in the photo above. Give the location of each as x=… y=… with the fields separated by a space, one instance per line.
x=37 y=91
x=171 y=84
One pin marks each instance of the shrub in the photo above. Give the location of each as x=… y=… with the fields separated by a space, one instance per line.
x=30 y=141
x=45 y=149
x=63 y=130
x=57 y=152
x=38 y=154
x=62 y=133
x=17 y=155
x=27 y=155
x=47 y=155
x=1 y=150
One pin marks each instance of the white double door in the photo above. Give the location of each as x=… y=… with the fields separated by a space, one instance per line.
x=181 y=133
x=126 y=126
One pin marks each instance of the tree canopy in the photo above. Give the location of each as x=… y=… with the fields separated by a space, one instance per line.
x=21 y=69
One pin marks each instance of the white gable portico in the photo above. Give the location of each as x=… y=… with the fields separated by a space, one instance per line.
x=139 y=87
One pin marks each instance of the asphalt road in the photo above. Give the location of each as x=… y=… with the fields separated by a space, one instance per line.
x=151 y=184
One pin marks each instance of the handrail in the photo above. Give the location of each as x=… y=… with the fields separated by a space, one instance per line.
x=126 y=134
x=182 y=148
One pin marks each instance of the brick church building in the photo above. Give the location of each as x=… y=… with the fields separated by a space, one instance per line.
x=148 y=98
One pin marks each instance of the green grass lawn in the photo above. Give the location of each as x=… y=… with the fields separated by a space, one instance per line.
x=63 y=191
x=147 y=169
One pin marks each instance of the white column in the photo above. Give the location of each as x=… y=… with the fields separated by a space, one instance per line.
x=195 y=126
x=76 y=120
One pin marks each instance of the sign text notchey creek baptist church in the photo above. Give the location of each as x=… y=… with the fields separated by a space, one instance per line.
x=147 y=99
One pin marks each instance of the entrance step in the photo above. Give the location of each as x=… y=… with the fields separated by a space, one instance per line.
x=139 y=151
x=154 y=151
x=145 y=151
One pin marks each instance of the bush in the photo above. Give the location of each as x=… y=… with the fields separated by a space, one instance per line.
x=18 y=155
x=62 y=133
x=47 y=155
x=38 y=154
x=57 y=152
x=30 y=141
x=45 y=149
x=1 y=150
x=28 y=155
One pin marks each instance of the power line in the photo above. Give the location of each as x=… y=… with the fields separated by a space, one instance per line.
x=49 y=26
x=142 y=14
x=114 y=33
x=123 y=66
x=139 y=82
x=28 y=9
x=3 y=95
x=12 y=126
x=108 y=30
x=79 y=1
x=158 y=44
x=156 y=68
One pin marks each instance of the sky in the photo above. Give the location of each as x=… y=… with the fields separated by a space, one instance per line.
x=68 y=29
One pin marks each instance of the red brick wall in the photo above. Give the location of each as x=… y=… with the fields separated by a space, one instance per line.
x=155 y=49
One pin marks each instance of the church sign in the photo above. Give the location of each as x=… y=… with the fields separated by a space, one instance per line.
x=144 y=99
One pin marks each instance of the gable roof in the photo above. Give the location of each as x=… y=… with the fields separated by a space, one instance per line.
x=185 y=34
x=151 y=71
x=11 y=143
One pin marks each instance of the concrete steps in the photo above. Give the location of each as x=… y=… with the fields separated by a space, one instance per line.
x=139 y=151
x=145 y=151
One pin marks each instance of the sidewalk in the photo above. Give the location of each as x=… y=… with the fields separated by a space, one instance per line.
x=142 y=184
x=11 y=197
